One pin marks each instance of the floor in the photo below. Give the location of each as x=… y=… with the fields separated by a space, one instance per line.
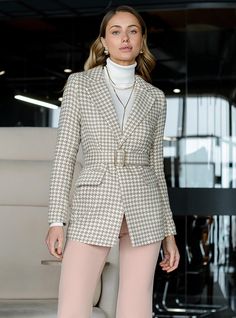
x=227 y=313
x=45 y=308
x=28 y=309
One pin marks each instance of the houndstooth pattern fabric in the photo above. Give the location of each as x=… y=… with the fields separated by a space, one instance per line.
x=103 y=191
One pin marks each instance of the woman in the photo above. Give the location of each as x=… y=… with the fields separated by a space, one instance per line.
x=119 y=118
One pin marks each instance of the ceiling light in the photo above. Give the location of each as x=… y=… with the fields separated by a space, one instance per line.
x=176 y=90
x=35 y=101
x=2 y=72
x=67 y=70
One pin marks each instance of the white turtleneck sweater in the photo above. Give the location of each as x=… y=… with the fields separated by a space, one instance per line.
x=122 y=76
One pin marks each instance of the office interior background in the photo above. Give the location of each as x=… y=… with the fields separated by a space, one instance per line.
x=194 y=42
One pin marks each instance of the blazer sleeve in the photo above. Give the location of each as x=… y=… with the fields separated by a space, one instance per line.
x=157 y=162
x=67 y=146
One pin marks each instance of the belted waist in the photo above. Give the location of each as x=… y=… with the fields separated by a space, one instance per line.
x=119 y=157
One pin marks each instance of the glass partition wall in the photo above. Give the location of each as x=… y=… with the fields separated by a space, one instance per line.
x=200 y=162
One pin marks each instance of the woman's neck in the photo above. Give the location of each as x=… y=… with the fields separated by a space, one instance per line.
x=121 y=75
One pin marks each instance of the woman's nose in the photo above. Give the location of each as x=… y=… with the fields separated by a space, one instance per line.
x=125 y=38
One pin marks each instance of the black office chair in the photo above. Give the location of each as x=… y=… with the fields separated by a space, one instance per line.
x=179 y=293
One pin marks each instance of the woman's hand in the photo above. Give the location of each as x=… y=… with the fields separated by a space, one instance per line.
x=55 y=235
x=171 y=254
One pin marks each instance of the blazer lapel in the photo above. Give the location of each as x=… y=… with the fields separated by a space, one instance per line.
x=143 y=102
x=103 y=100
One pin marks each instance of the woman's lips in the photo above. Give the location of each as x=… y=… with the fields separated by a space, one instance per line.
x=126 y=49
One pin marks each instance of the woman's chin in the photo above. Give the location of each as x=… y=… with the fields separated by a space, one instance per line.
x=124 y=59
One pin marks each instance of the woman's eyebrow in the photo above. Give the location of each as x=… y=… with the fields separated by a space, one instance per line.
x=129 y=26
x=115 y=26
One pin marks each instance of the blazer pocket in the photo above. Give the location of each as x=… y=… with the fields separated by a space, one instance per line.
x=149 y=175
x=90 y=176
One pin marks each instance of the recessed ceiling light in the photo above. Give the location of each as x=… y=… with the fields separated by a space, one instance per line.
x=67 y=70
x=2 y=72
x=35 y=101
x=176 y=90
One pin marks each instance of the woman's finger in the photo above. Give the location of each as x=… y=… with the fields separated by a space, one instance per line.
x=175 y=263
x=59 y=247
x=170 y=261
x=54 y=251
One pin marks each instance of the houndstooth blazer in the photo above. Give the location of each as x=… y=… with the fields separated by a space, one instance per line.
x=105 y=189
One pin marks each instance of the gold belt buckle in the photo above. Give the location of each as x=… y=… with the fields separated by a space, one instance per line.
x=122 y=157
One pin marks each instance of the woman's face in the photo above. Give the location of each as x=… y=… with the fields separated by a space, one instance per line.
x=123 y=38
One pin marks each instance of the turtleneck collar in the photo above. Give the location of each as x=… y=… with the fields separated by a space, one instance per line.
x=121 y=74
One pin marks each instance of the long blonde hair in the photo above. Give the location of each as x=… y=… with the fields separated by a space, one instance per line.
x=145 y=60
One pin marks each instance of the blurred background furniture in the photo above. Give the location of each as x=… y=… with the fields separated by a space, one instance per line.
x=28 y=288
x=188 y=291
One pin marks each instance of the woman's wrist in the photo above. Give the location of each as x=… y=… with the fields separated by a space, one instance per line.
x=170 y=237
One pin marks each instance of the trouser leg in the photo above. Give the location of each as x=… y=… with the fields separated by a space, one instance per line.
x=81 y=269
x=137 y=269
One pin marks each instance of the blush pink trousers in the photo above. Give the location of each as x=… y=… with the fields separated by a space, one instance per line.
x=84 y=263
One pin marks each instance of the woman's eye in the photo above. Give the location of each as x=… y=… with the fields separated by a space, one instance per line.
x=133 y=31
x=115 y=32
